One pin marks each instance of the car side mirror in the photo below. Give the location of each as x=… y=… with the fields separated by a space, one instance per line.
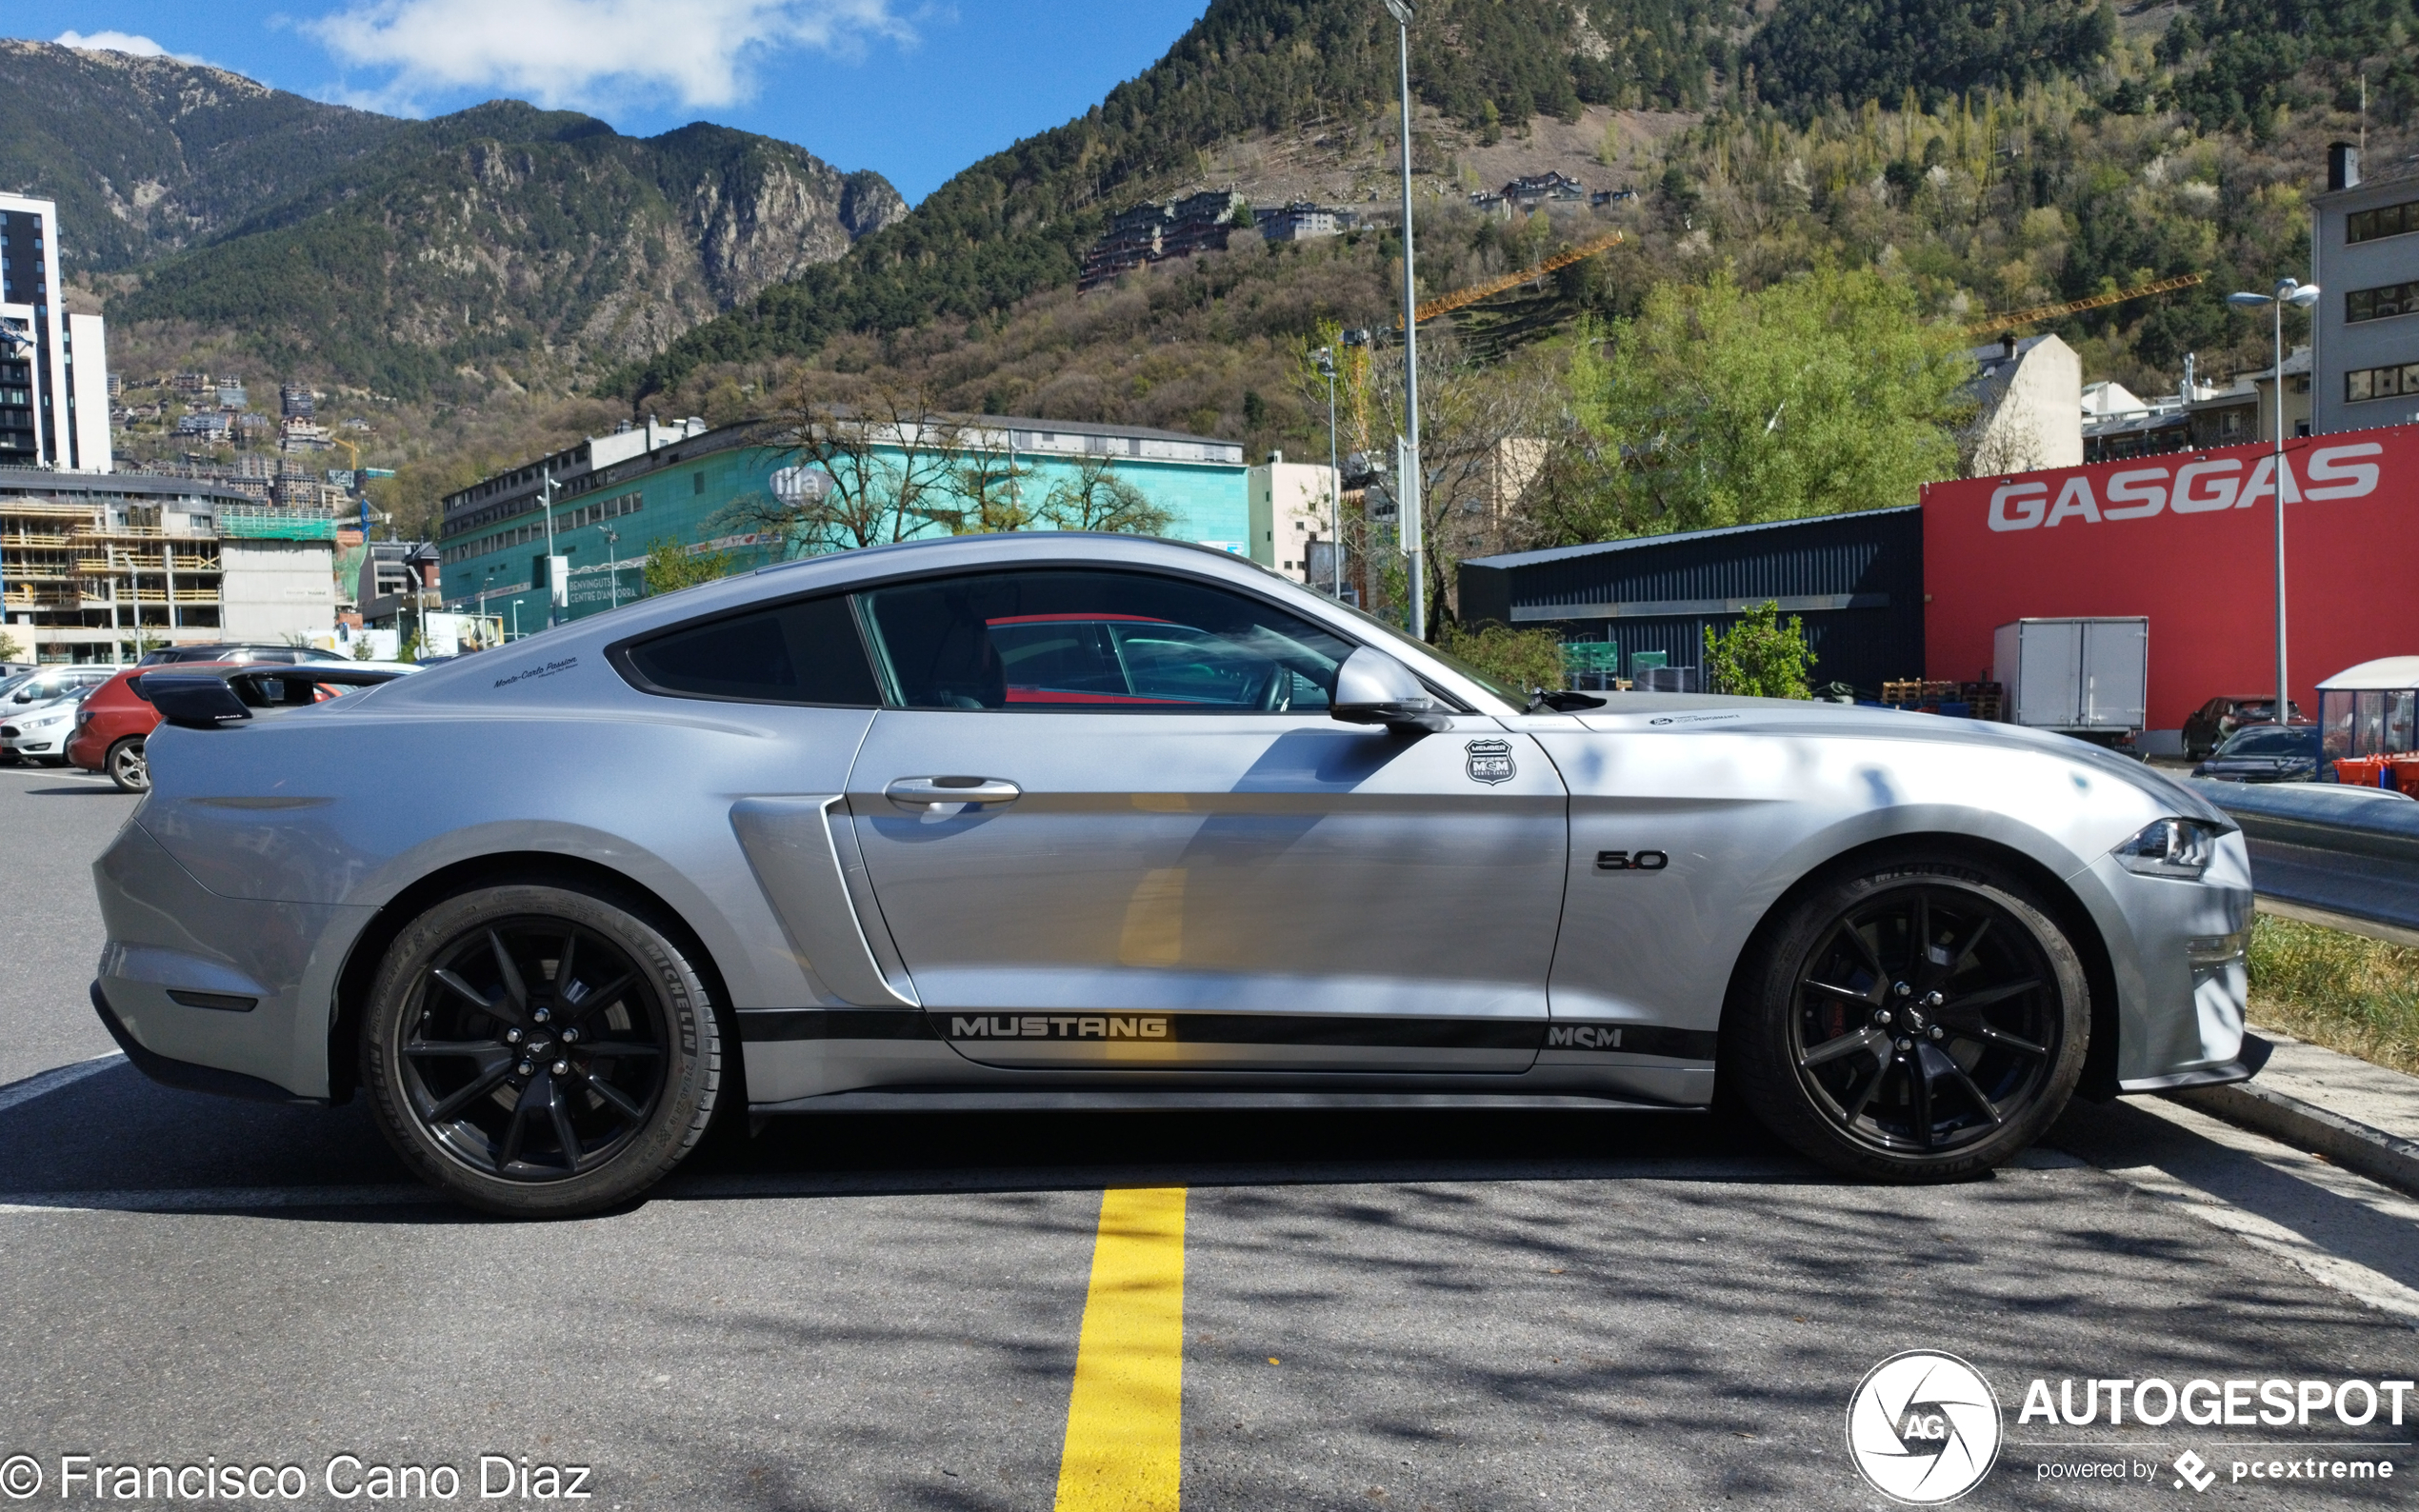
x=193 y=701
x=1373 y=689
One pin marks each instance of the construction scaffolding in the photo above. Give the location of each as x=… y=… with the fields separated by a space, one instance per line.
x=66 y=565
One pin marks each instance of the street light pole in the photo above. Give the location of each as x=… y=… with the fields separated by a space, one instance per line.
x=1334 y=479
x=1406 y=487
x=612 y=567
x=2301 y=296
x=547 y=497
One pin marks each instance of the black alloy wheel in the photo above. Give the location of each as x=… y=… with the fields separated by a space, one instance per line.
x=1920 y=1021
x=127 y=766
x=540 y=1051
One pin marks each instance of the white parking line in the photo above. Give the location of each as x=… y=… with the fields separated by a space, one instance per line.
x=57 y=774
x=51 y=1081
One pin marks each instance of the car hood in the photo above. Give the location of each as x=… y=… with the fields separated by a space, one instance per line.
x=1706 y=713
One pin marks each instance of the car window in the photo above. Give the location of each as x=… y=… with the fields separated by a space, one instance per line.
x=806 y=652
x=1100 y=641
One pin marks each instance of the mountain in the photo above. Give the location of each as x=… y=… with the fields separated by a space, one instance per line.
x=517 y=244
x=1017 y=221
x=146 y=155
x=499 y=244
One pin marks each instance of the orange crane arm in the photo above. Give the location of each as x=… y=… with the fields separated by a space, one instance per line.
x=2025 y=317
x=1447 y=304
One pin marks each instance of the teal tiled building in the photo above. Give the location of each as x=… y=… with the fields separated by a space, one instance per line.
x=614 y=497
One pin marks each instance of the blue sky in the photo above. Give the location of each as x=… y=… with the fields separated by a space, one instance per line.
x=912 y=89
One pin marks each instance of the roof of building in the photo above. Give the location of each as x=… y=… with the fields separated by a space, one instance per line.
x=116 y=485
x=2387 y=672
x=1565 y=553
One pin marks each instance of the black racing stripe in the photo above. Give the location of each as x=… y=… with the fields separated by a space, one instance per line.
x=1411 y=1033
x=1240 y=1028
x=760 y=1025
x=1634 y=1039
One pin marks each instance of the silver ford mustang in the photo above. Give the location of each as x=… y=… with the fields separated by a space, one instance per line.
x=1087 y=822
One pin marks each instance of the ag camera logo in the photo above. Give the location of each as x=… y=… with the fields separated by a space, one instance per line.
x=1923 y=1427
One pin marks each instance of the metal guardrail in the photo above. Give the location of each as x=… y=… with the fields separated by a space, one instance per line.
x=2346 y=857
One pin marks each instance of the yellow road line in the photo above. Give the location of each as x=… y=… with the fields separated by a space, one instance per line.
x=1126 y=1416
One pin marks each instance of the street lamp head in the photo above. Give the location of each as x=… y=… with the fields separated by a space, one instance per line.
x=2250 y=301
x=1400 y=11
x=1324 y=360
x=2302 y=296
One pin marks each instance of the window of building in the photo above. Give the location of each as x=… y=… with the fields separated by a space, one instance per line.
x=805 y=652
x=1094 y=642
x=2381 y=382
x=2381 y=304
x=697 y=482
x=2386 y=220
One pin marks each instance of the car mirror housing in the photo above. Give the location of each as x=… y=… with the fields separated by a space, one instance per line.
x=1373 y=689
x=193 y=701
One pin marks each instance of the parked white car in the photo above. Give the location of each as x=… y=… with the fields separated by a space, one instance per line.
x=39 y=732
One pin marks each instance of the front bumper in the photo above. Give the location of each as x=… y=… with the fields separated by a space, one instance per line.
x=2175 y=948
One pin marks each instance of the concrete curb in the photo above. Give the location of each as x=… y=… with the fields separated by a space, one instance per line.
x=2349 y=1142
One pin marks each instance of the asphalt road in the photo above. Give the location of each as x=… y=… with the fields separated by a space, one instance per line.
x=1477 y=1311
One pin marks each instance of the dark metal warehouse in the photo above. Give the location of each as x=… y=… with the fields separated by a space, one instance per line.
x=1857 y=579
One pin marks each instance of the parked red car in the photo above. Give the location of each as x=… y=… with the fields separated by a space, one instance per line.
x=116 y=719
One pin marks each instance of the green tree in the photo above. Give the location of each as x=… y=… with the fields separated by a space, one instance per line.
x=1760 y=657
x=671 y=567
x=9 y=649
x=1522 y=659
x=1821 y=393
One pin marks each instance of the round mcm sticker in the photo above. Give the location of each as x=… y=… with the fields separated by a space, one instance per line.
x=1923 y=1427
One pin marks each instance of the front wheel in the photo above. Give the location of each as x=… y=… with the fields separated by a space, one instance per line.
x=1918 y=1021
x=540 y=1052
x=127 y=767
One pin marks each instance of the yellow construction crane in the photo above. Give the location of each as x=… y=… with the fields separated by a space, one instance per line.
x=1447 y=304
x=2025 y=317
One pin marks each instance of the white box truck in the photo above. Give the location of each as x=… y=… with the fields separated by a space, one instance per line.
x=2089 y=677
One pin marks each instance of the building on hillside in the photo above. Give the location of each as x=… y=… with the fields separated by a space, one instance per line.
x=230 y=394
x=398 y=581
x=294 y=400
x=54 y=366
x=2117 y=425
x=616 y=497
x=1856 y=580
x=92 y=568
x=1530 y=190
x=1154 y=232
x=1293 y=510
x=2296 y=400
x=2029 y=405
x=213 y=426
x=2365 y=259
x=1302 y=221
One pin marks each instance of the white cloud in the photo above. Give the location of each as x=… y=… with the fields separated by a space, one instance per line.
x=561 y=52
x=118 y=42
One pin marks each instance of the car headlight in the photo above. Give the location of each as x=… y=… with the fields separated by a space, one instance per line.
x=2172 y=847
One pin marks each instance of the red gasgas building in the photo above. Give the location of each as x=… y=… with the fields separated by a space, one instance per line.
x=2188 y=540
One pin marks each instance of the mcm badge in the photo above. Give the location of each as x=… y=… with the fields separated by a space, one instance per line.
x=1491 y=761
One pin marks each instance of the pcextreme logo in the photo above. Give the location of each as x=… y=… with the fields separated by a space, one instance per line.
x=1923 y=1427
x=2202 y=485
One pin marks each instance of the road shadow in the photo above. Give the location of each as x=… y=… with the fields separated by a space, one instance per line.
x=116 y=1140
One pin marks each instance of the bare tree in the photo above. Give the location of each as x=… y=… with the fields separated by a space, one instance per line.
x=1486 y=437
x=1094 y=498
x=874 y=470
x=987 y=486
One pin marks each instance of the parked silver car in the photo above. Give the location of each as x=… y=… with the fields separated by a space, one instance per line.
x=1097 y=821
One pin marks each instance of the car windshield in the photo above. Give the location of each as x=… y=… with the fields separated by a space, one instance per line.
x=2266 y=739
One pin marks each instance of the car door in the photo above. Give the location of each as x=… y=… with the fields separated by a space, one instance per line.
x=1110 y=824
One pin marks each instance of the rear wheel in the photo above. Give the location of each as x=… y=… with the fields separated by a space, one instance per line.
x=1920 y=1021
x=539 y=1051
x=127 y=767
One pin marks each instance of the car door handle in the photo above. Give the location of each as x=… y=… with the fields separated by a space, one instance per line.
x=950 y=794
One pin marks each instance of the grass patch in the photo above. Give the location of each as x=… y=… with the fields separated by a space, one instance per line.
x=2345 y=991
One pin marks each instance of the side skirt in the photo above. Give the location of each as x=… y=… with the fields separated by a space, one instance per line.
x=1145 y=1100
